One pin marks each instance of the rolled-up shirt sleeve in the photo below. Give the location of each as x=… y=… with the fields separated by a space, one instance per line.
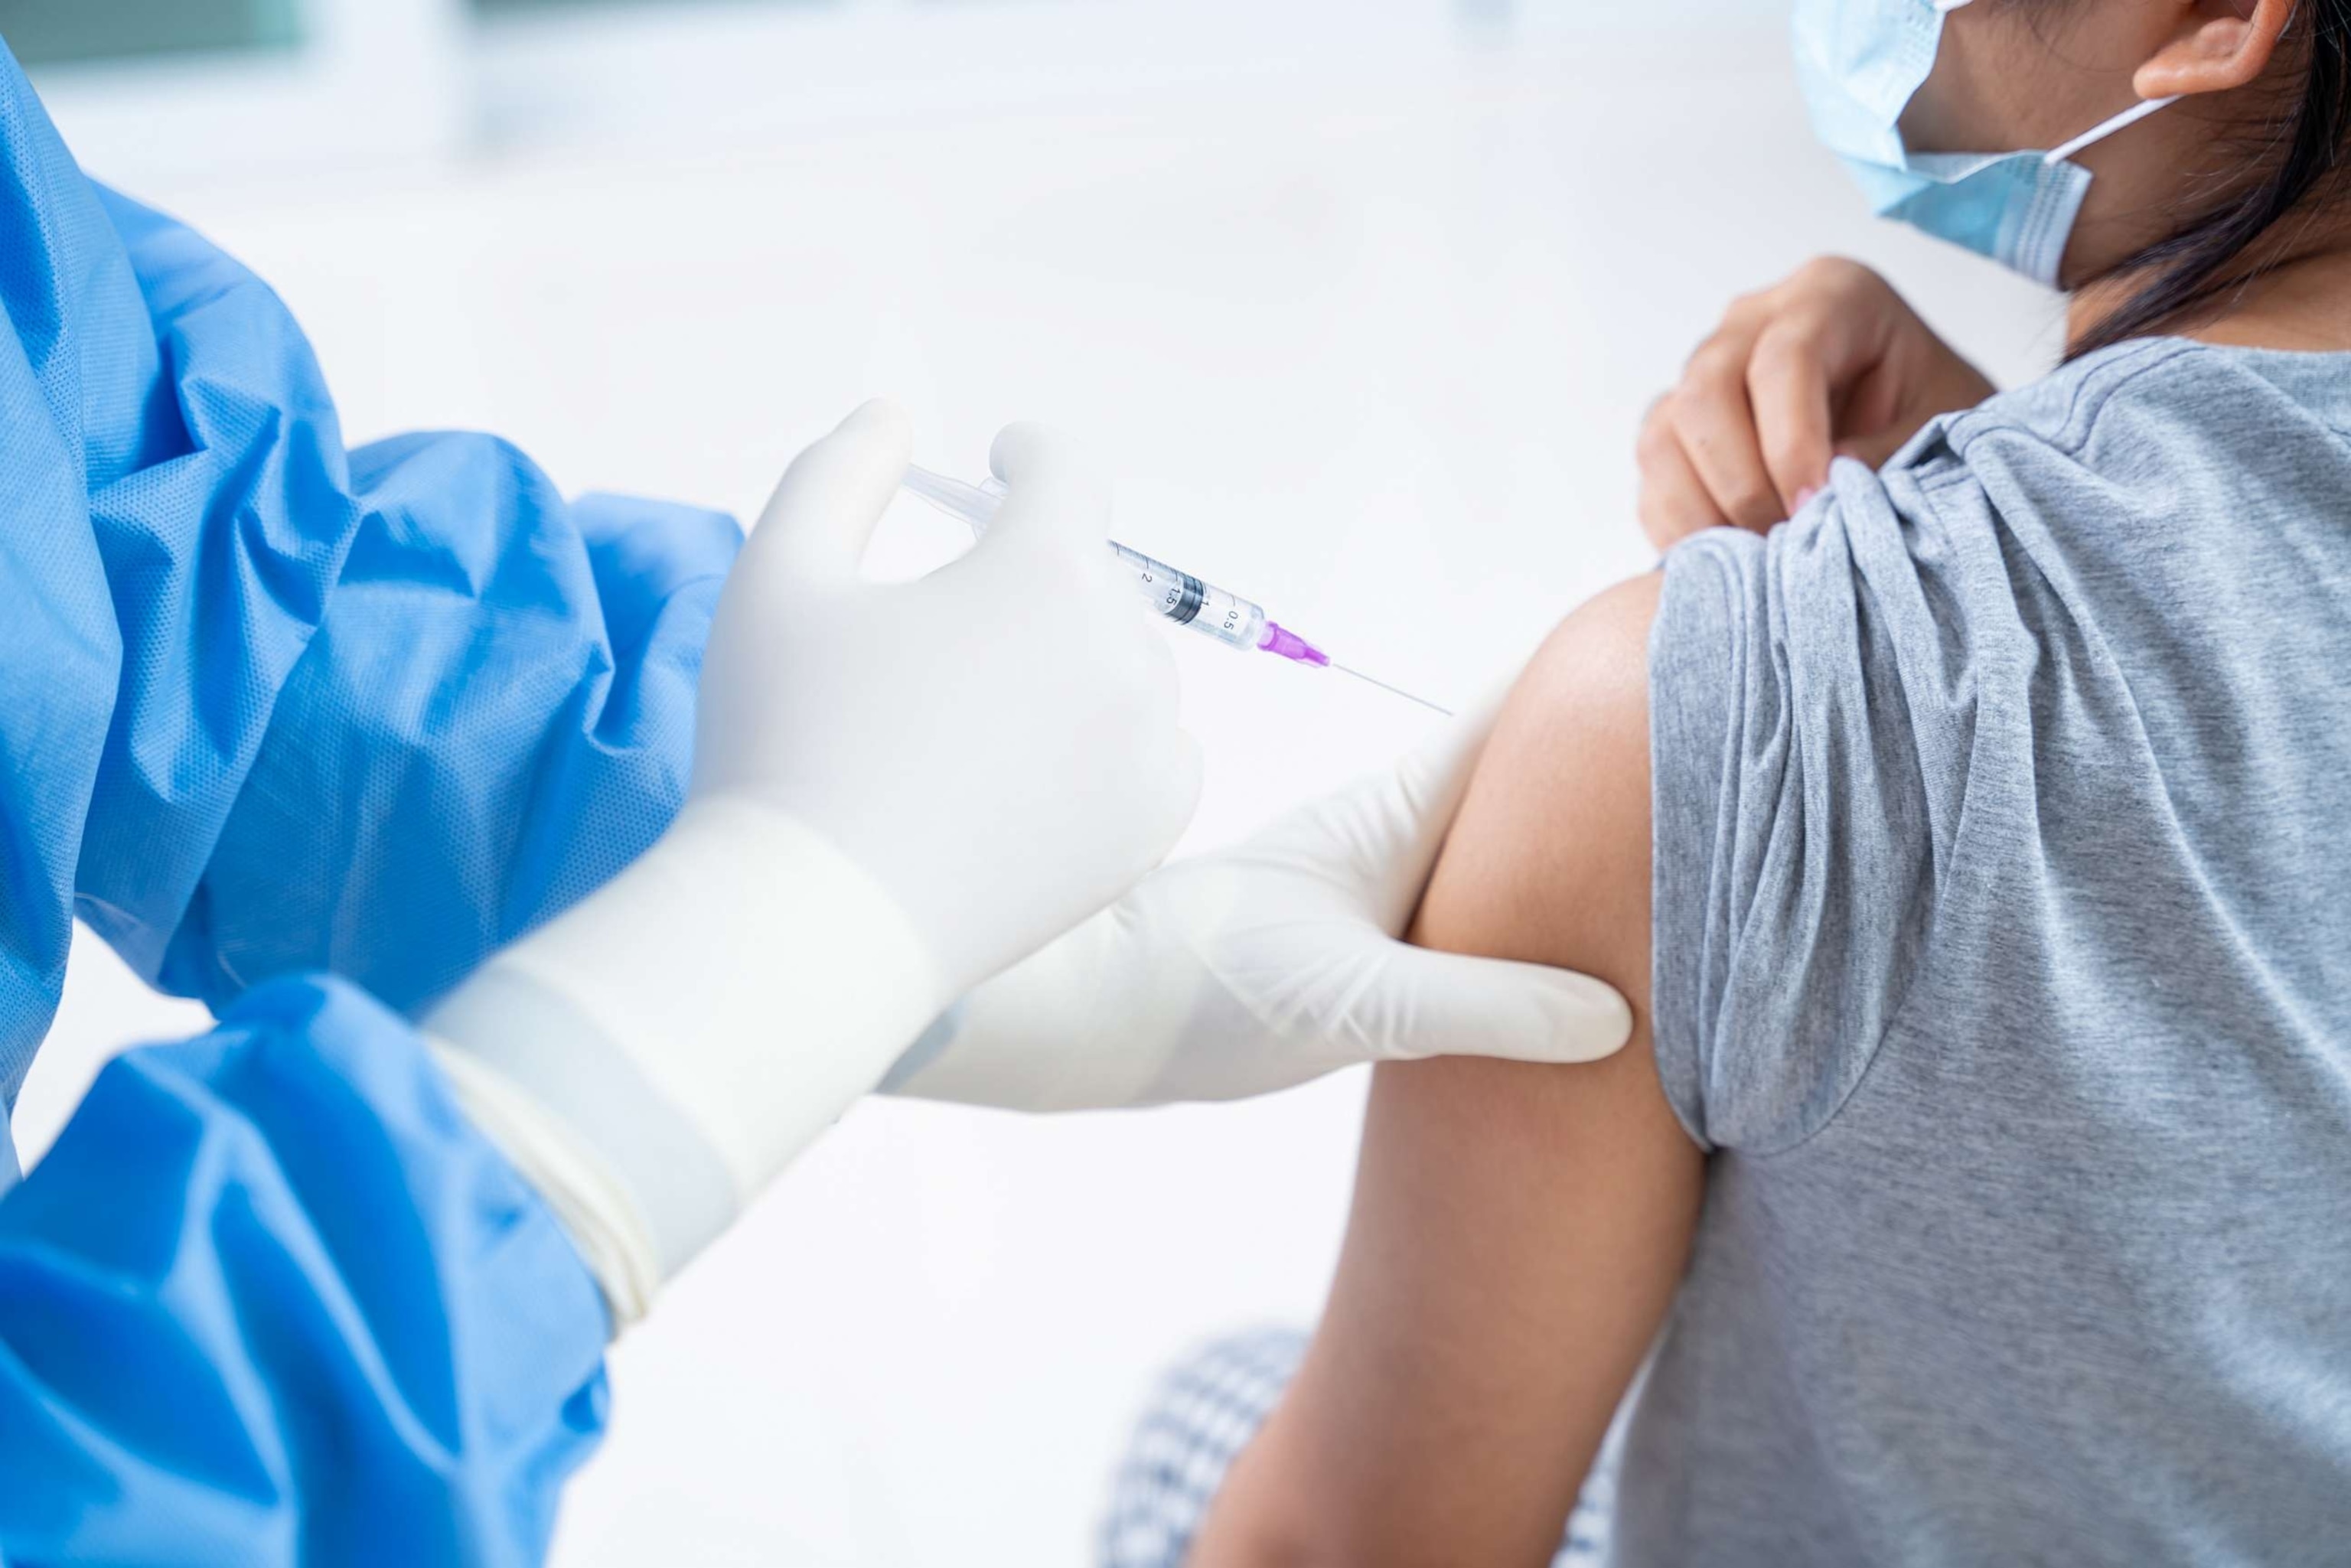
x=1813 y=735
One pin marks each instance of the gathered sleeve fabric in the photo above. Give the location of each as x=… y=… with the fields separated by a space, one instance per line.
x=271 y=1299
x=275 y=705
x=1824 y=720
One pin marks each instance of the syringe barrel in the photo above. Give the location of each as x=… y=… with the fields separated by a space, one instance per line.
x=1175 y=594
x=1188 y=602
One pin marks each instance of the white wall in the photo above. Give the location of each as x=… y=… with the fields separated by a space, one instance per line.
x=1365 y=320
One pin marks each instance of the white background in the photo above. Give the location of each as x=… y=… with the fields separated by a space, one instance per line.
x=1361 y=301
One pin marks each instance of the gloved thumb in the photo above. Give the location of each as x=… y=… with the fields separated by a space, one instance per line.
x=1462 y=1006
x=824 y=510
x=1051 y=493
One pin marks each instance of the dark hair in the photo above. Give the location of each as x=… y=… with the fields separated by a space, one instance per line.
x=2215 y=252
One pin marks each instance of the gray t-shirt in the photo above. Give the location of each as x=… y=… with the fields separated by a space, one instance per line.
x=2003 y=961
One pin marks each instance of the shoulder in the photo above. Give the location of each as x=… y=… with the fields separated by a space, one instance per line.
x=2146 y=430
x=2065 y=408
x=1598 y=655
x=1554 y=833
x=1580 y=712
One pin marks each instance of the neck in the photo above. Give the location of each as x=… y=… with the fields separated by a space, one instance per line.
x=2298 y=298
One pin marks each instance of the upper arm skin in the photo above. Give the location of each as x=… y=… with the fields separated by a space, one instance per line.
x=1518 y=1231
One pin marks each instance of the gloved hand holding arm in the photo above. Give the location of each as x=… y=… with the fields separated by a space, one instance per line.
x=898 y=790
x=1254 y=970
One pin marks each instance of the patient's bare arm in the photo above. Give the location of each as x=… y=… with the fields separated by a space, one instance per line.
x=1518 y=1231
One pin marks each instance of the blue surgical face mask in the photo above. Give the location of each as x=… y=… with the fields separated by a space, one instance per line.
x=1860 y=62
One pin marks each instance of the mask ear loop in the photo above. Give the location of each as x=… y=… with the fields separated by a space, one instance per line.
x=2088 y=139
x=2122 y=121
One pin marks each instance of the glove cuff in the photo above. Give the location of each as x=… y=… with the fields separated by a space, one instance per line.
x=673 y=1041
x=596 y=1207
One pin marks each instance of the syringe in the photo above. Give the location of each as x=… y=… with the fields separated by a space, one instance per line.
x=1214 y=612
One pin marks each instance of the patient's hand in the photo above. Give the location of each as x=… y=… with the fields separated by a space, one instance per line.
x=1518 y=1231
x=1832 y=362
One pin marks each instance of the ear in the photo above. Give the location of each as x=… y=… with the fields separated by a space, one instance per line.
x=2218 y=46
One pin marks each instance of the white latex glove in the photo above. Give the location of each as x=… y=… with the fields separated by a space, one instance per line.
x=1263 y=967
x=897 y=791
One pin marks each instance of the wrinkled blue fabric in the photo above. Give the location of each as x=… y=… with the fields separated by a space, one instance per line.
x=273 y=707
x=271 y=1300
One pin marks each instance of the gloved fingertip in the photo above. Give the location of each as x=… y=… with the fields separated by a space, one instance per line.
x=1051 y=490
x=830 y=500
x=1585 y=1019
x=1513 y=1011
x=882 y=420
x=1022 y=447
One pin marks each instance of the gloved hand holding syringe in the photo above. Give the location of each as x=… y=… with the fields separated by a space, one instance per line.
x=1182 y=598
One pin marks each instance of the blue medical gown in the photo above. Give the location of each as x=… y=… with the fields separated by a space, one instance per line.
x=270 y=1299
x=270 y=707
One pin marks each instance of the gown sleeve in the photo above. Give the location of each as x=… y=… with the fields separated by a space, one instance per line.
x=270 y=1299
x=274 y=706
x=376 y=711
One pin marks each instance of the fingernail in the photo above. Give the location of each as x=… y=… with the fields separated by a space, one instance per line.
x=1804 y=497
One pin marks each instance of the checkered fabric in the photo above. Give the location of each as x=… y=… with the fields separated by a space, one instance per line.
x=1204 y=1412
